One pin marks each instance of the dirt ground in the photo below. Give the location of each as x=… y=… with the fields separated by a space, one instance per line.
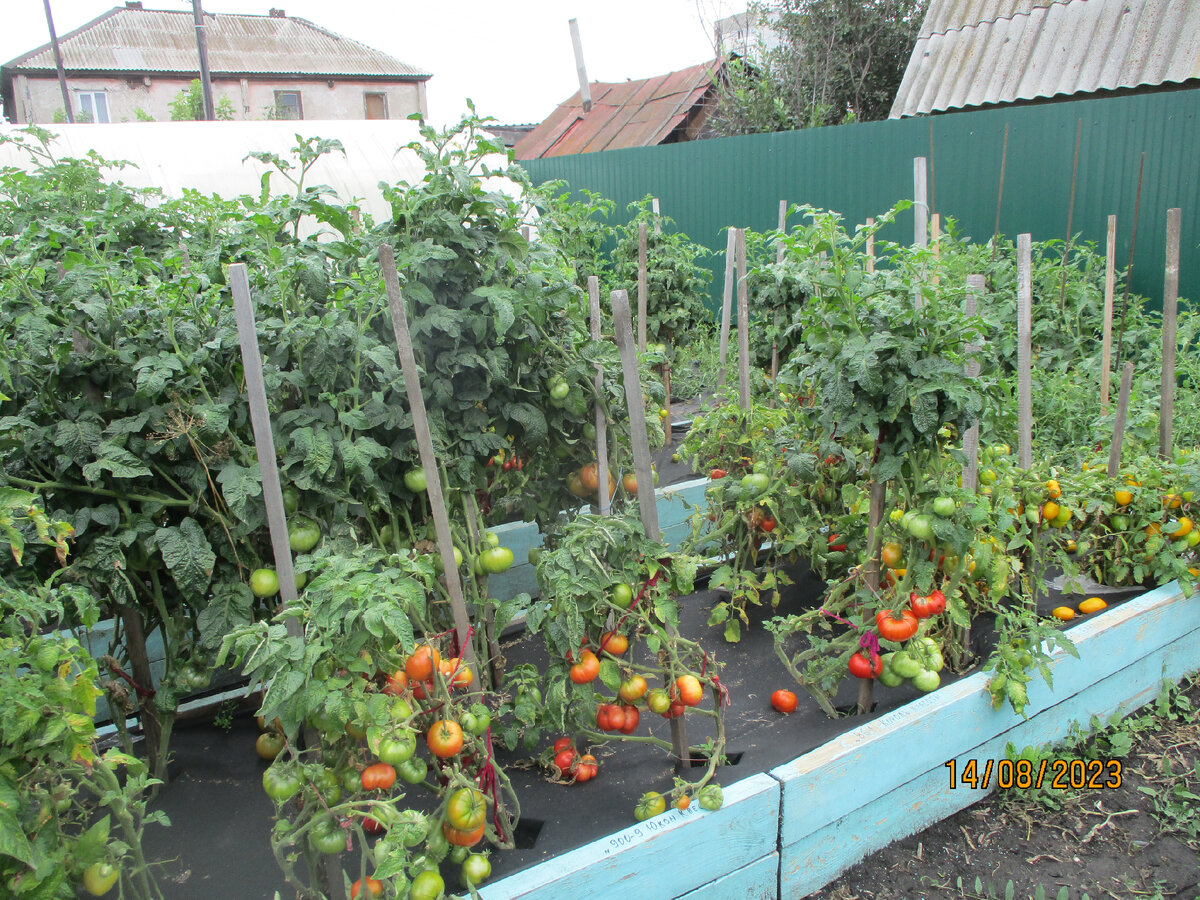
x=1140 y=840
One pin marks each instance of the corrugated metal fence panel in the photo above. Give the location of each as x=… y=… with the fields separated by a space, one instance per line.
x=861 y=170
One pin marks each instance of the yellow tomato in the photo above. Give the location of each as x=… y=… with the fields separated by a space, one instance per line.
x=1063 y=612
x=1091 y=605
x=1174 y=501
x=1123 y=498
x=1053 y=490
x=1050 y=511
x=1185 y=528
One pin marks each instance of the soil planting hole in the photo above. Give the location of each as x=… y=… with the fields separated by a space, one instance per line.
x=527 y=833
x=732 y=758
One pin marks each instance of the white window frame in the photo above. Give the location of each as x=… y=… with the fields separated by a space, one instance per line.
x=88 y=105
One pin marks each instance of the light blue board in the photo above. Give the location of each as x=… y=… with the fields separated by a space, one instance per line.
x=821 y=856
x=757 y=881
x=658 y=858
x=845 y=774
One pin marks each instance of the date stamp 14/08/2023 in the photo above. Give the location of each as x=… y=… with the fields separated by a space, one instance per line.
x=1054 y=774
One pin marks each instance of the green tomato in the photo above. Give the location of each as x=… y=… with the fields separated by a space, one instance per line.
x=99 y=877
x=436 y=844
x=458 y=855
x=535 y=553
x=397 y=749
x=427 y=885
x=1120 y=522
x=490 y=539
x=888 y=678
x=650 y=804
x=303 y=534
x=944 y=507
x=281 y=783
x=413 y=770
x=496 y=560
x=905 y=664
x=896 y=515
x=476 y=868
x=291 y=500
x=264 y=583
x=755 y=483
x=482 y=717
x=920 y=526
x=621 y=595
x=711 y=797
x=326 y=835
x=387 y=536
x=414 y=480
x=328 y=785
x=926 y=681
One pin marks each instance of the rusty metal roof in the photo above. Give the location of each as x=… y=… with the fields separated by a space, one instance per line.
x=623 y=114
x=154 y=40
x=976 y=52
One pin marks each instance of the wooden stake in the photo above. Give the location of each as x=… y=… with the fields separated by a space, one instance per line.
x=1137 y=206
x=1110 y=281
x=1025 y=351
x=1000 y=194
x=1114 y=452
x=920 y=204
x=605 y=500
x=667 y=402
x=641 y=287
x=433 y=480
x=657 y=215
x=1166 y=409
x=878 y=495
x=264 y=442
x=1062 y=292
x=743 y=323
x=975 y=287
x=647 y=506
x=727 y=302
x=870 y=247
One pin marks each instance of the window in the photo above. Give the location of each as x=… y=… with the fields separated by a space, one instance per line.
x=376 y=106
x=288 y=106
x=93 y=106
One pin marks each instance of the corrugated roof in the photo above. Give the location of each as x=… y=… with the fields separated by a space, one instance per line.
x=975 y=52
x=623 y=114
x=155 y=40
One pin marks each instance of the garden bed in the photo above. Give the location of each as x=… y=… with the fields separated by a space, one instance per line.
x=807 y=797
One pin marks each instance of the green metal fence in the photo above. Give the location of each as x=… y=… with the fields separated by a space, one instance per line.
x=862 y=170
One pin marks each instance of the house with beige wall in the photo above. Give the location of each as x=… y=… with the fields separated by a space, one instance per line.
x=130 y=63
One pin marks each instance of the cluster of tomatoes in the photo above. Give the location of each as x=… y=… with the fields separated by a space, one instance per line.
x=569 y=764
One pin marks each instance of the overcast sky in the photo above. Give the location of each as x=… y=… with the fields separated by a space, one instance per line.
x=512 y=57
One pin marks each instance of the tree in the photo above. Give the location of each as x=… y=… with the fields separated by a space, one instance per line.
x=188 y=105
x=836 y=61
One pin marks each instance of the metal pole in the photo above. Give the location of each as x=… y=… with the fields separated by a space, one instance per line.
x=202 y=48
x=58 y=64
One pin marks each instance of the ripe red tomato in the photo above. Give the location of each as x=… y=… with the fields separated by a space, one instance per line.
x=614 y=642
x=784 y=701
x=422 y=663
x=691 y=692
x=717 y=473
x=564 y=761
x=675 y=710
x=378 y=777
x=374 y=888
x=896 y=627
x=862 y=667
x=397 y=683
x=922 y=606
x=461 y=838
x=586 y=670
x=587 y=768
x=563 y=743
x=445 y=738
x=939 y=601
x=630 y=717
x=768 y=525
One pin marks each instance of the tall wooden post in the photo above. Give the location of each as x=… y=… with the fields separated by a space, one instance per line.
x=58 y=65
x=1024 y=351
x=210 y=111
x=727 y=303
x=642 y=300
x=593 y=284
x=433 y=479
x=743 y=323
x=647 y=506
x=1110 y=281
x=1166 y=414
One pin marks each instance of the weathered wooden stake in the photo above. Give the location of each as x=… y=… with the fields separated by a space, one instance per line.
x=1024 y=351
x=657 y=215
x=920 y=204
x=642 y=300
x=727 y=302
x=870 y=247
x=1166 y=409
x=743 y=323
x=975 y=286
x=878 y=498
x=593 y=284
x=264 y=442
x=433 y=478
x=1110 y=282
x=1114 y=452
x=647 y=506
